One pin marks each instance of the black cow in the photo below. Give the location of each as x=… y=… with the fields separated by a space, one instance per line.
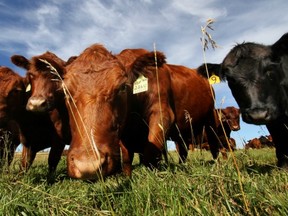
x=258 y=78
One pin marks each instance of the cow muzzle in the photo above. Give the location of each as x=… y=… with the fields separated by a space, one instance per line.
x=37 y=104
x=256 y=116
x=81 y=166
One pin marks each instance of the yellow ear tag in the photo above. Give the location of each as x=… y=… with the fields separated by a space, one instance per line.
x=28 y=88
x=140 y=85
x=214 y=79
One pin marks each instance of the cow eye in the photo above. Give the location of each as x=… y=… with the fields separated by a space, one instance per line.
x=270 y=74
x=31 y=76
x=123 y=88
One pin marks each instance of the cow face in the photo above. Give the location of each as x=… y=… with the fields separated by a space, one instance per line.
x=12 y=94
x=231 y=116
x=254 y=78
x=44 y=73
x=97 y=91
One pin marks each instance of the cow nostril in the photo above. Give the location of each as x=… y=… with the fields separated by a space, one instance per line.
x=258 y=114
x=35 y=104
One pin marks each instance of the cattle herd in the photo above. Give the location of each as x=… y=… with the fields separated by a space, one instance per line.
x=109 y=106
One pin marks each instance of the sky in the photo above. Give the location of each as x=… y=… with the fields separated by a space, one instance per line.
x=67 y=27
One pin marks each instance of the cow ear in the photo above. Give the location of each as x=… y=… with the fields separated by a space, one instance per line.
x=148 y=59
x=70 y=60
x=280 y=47
x=233 y=56
x=20 y=61
x=209 y=69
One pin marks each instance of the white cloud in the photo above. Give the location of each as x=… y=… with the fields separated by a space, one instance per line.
x=67 y=27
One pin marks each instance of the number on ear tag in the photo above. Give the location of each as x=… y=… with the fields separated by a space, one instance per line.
x=140 y=85
x=214 y=79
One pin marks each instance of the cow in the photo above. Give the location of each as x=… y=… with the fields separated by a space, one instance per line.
x=13 y=116
x=98 y=85
x=44 y=74
x=266 y=141
x=163 y=110
x=255 y=143
x=228 y=121
x=105 y=116
x=97 y=90
x=35 y=132
x=11 y=99
x=257 y=77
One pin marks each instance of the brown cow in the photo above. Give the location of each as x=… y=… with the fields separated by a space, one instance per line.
x=97 y=104
x=179 y=93
x=254 y=144
x=227 y=120
x=11 y=99
x=44 y=73
x=100 y=97
x=230 y=118
x=266 y=141
x=36 y=131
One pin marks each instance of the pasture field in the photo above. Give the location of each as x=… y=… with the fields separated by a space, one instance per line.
x=198 y=187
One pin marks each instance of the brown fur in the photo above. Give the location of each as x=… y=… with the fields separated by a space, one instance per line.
x=180 y=89
x=99 y=88
x=45 y=85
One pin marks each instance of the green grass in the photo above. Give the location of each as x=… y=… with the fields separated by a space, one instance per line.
x=199 y=187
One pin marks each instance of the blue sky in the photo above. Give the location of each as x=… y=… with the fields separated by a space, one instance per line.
x=66 y=27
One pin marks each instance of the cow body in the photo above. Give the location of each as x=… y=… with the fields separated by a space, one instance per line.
x=257 y=77
x=162 y=111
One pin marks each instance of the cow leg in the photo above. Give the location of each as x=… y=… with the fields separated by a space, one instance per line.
x=213 y=141
x=28 y=156
x=224 y=145
x=182 y=151
x=152 y=155
x=55 y=156
x=157 y=137
x=279 y=133
x=127 y=158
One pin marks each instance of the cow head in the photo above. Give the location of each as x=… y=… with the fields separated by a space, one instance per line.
x=254 y=78
x=258 y=78
x=97 y=90
x=44 y=73
x=231 y=115
x=12 y=94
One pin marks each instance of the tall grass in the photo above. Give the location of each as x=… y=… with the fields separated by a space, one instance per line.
x=198 y=187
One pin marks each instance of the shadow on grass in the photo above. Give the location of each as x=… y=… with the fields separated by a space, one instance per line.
x=260 y=168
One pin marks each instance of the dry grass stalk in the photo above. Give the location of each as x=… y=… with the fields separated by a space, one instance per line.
x=207 y=40
x=69 y=97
